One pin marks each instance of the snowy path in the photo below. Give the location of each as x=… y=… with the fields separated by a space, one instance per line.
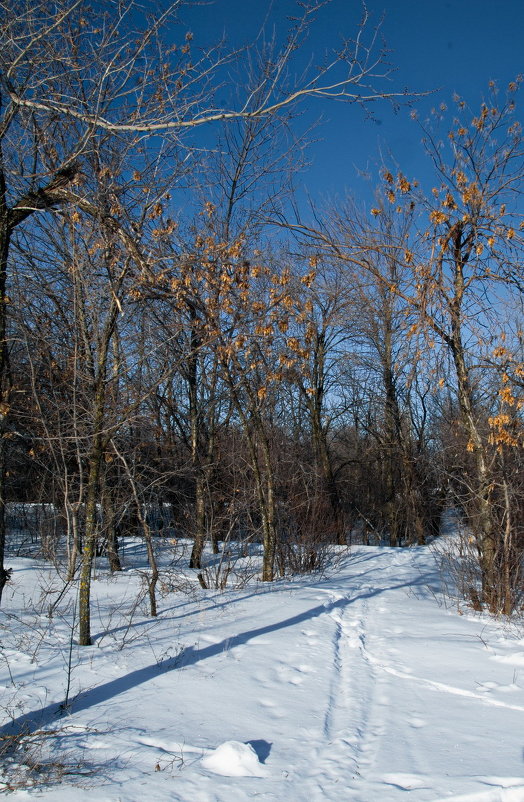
x=389 y=730
x=357 y=688
x=362 y=713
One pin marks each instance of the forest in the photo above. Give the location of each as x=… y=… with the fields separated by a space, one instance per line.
x=188 y=350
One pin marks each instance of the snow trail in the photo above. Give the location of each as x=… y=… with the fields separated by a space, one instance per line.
x=360 y=687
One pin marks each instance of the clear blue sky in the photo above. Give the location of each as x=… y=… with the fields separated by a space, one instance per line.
x=448 y=46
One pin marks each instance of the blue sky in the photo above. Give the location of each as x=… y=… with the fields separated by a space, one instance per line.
x=447 y=46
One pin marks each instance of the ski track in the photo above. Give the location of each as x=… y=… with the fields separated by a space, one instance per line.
x=360 y=725
x=356 y=714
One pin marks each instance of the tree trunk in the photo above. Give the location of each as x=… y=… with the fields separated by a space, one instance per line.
x=195 y=435
x=393 y=435
x=153 y=577
x=266 y=493
x=93 y=481
x=74 y=540
x=110 y=534
x=5 y=573
x=329 y=484
x=5 y=235
x=481 y=501
x=260 y=453
x=200 y=522
x=511 y=559
x=90 y=541
x=320 y=445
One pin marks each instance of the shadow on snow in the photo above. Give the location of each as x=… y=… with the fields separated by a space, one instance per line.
x=188 y=657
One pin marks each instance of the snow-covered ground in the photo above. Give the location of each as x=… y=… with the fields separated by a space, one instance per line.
x=362 y=686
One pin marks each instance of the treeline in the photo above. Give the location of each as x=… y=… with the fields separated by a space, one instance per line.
x=174 y=339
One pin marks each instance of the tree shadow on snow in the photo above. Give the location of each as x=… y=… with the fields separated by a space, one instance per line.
x=190 y=656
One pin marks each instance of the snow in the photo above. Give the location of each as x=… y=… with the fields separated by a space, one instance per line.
x=234 y=759
x=362 y=686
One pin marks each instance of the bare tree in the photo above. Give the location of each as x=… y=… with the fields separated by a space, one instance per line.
x=73 y=77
